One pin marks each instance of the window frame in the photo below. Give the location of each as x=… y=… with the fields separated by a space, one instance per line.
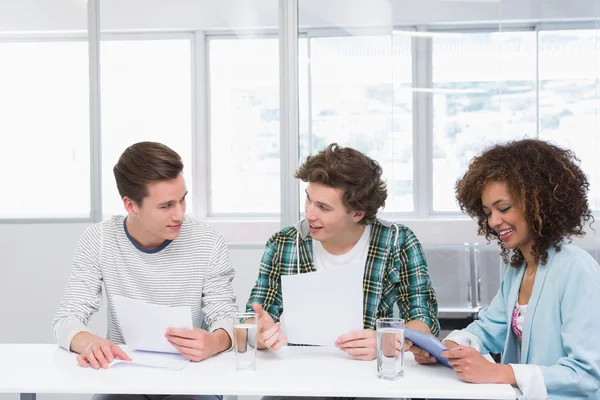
x=423 y=215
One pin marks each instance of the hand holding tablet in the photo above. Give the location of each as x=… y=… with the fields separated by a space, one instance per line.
x=429 y=343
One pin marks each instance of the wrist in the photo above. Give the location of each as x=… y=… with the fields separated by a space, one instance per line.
x=419 y=326
x=82 y=340
x=260 y=345
x=222 y=341
x=504 y=374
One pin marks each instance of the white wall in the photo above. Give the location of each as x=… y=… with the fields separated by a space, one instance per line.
x=35 y=262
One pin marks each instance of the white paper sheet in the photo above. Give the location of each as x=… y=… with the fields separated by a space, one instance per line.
x=321 y=306
x=174 y=362
x=144 y=324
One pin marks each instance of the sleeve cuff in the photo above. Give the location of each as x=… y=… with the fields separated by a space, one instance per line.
x=430 y=322
x=227 y=326
x=531 y=381
x=66 y=331
x=465 y=338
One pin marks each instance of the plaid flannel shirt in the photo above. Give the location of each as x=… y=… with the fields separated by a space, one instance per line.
x=395 y=272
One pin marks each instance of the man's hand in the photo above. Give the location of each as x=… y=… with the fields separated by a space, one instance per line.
x=269 y=332
x=420 y=355
x=100 y=353
x=471 y=366
x=197 y=344
x=361 y=345
x=423 y=357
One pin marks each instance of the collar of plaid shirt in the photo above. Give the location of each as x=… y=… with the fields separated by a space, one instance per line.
x=302 y=233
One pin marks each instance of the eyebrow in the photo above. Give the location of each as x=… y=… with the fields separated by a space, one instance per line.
x=318 y=202
x=170 y=201
x=496 y=202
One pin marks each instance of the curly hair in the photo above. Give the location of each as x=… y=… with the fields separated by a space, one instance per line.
x=543 y=179
x=357 y=175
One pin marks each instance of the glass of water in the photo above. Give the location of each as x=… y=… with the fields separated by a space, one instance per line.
x=245 y=329
x=390 y=348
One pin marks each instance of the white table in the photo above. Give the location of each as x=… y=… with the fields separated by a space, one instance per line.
x=294 y=371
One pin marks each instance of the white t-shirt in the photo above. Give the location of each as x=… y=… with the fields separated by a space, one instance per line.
x=357 y=255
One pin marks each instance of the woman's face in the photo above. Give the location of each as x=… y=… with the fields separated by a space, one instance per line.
x=506 y=218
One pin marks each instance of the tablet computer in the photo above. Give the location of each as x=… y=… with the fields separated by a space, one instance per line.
x=429 y=343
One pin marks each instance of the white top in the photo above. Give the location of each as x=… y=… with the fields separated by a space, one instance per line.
x=518 y=320
x=193 y=270
x=357 y=255
x=291 y=371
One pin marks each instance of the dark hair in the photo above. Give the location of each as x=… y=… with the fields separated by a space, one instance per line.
x=142 y=163
x=357 y=175
x=544 y=180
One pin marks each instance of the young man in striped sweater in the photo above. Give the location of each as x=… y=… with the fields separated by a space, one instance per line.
x=155 y=254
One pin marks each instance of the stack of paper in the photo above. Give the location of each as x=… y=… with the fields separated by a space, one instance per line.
x=319 y=307
x=144 y=326
x=174 y=362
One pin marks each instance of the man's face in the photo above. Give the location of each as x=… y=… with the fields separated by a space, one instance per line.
x=163 y=210
x=326 y=213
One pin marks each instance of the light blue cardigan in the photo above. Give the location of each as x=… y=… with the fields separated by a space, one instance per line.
x=561 y=332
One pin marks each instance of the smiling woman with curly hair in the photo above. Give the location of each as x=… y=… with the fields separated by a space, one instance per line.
x=531 y=196
x=543 y=180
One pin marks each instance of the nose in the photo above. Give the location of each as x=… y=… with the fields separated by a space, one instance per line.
x=494 y=220
x=179 y=213
x=308 y=211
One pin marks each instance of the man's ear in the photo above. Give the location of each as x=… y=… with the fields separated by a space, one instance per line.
x=357 y=216
x=130 y=206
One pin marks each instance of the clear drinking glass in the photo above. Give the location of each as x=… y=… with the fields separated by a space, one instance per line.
x=245 y=329
x=390 y=348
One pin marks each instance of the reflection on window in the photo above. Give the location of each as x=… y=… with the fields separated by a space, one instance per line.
x=361 y=97
x=244 y=126
x=484 y=92
x=146 y=96
x=44 y=156
x=568 y=73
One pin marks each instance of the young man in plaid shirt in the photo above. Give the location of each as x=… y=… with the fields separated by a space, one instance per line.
x=345 y=191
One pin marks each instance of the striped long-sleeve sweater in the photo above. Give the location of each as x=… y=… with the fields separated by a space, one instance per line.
x=193 y=270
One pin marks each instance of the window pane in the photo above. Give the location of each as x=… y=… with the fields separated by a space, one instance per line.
x=568 y=73
x=146 y=96
x=244 y=126
x=45 y=156
x=361 y=97
x=484 y=92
